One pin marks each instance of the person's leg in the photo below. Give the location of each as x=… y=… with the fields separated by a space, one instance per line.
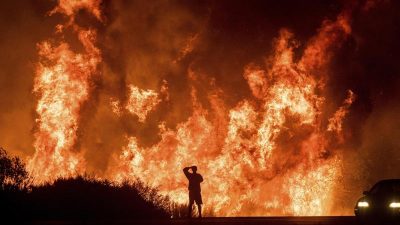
x=199 y=208
x=191 y=202
x=190 y=209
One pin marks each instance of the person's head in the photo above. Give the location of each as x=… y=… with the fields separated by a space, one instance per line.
x=194 y=169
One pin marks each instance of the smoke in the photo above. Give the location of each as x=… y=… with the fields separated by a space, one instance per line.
x=367 y=66
x=22 y=25
x=143 y=47
x=211 y=66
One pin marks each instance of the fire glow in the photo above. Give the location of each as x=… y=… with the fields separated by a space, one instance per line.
x=271 y=154
x=63 y=84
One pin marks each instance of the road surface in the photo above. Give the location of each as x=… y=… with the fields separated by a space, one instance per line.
x=342 y=220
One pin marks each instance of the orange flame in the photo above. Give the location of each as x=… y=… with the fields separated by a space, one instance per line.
x=141 y=102
x=269 y=156
x=335 y=123
x=62 y=84
x=71 y=7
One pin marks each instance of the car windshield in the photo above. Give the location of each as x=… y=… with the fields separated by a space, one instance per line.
x=386 y=187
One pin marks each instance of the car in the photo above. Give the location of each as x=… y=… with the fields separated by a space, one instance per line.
x=381 y=203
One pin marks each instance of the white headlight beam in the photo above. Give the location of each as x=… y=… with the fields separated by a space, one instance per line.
x=363 y=204
x=394 y=205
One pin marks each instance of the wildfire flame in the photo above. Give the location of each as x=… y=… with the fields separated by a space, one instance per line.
x=62 y=84
x=141 y=102
x=271 y=154
x=248 y=165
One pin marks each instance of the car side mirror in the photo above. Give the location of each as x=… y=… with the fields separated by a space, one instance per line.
x=365 y=192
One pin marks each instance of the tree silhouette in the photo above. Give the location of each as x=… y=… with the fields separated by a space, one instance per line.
x=13 y=175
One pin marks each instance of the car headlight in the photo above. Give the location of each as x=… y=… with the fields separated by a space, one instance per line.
x=394 y=205
x=363 y=204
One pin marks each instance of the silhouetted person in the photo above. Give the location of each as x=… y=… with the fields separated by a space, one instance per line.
x=194 y=188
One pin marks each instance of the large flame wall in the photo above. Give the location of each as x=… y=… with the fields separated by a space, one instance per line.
x=129 y=94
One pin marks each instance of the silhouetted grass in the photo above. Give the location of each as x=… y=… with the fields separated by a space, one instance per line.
x=181 y=211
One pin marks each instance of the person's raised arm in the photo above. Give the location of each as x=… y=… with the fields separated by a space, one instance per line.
x=186 y=171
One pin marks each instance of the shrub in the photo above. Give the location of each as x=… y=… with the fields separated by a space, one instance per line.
x=86 y=198
x=13 y=175
x=81 y=197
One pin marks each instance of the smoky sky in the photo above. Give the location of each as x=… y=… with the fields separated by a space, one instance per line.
x=142 y=43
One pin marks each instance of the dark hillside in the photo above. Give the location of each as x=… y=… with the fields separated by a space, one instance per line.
x=74 y=198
